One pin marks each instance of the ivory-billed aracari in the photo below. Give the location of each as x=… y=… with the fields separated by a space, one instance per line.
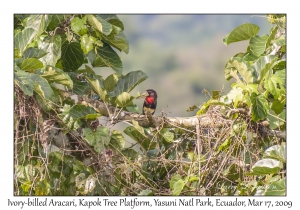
x=150 y=101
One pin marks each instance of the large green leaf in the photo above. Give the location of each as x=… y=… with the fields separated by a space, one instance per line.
x=266 y=166
x=72 y=116
x=128 y=82
x=110 y=82
x=24 y=81
x=51 y=45
x=277 y=152
x=277 y=188
x=139 y=136
x=31 y=64
x=275 y=86
x=100 y=24
x=243 y=68
x=98 y=138
x=124 y=99
x=117 y=39
x=240 y=33
x=110 y=58
x=22 y=39
x=34 y=53
x=41 y=86
x=38 y=22
x=78 y=25
x=282 y=75
x=259 y=106
x=97 y=86
x=258 y=44
x=86 y=43
x=72 y=56
x=263 y=66
x=58 y=76
x=80 y=111
x=117 y=140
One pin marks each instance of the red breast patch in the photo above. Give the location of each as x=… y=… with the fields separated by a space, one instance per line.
x=150 y=100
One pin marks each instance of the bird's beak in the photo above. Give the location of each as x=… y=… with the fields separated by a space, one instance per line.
x=143 y=95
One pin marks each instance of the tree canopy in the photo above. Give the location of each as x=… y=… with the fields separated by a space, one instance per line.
x=235 y=145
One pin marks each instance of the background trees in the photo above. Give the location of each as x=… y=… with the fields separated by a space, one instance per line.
x=234 y=145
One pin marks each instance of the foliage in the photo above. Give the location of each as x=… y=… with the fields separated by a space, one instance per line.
x=62 y=149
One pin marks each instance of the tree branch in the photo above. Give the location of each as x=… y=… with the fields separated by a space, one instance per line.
x=205 y=120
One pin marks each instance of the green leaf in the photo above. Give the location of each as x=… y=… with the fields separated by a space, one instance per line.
x=80 y=111
x=118 y=40
x=110 y=58
x=258 y=44
x=277 y=152
x=224 y=146
x=282 y=75
x=34 y=53
x=266 y=166
x=51 y=45
x=41 y=86
x=263 y=66
x=98 y=139
x=240 y=33
x=123 y=99
x=86 y=43
x=99 y=24
x=277 y=106
x=277 y=188
x=24 y=81
x=42 y=188
x=259 y=107
x=174 y=179
x=130 y=153
x=110 y=82
x=166 y=135
x=276 y=120
x=79 y=87
x=92 y=116
x=38 y=22
x=97 y=87
x=117 y=140
x=128 y=82
x=250 y=57
x=275 y=86
x=239 y=66
x=71 y=116
x=72 y=56
x=177 y=187
x=112 y=19
x=273 y=33
x=139 y=136
x=58 y=76
x=78 y=25
x=22 y=39
x=31 y=64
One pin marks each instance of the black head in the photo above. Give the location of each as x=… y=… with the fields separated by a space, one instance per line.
x=152 y=93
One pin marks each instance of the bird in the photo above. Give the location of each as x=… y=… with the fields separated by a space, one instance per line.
x=150 y=101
